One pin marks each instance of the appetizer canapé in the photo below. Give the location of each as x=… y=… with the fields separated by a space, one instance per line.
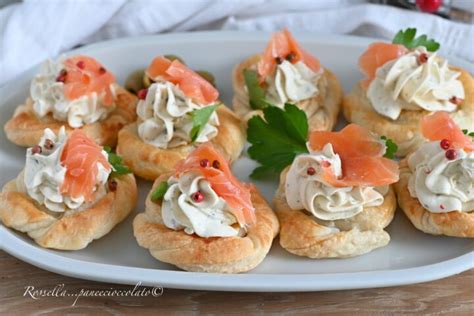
x=75 y=92
x=286 y=72
x=201 y=217
x=178 y=111
x=436 y=187
x=70 y=192
x=335 y=196
x=406 y=80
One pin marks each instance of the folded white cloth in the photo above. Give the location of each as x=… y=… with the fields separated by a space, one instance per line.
x=34 y=30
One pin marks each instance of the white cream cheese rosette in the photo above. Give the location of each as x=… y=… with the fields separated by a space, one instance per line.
x=48 y=97
x=325 y=202
x=407 y=83
x=440 y=184
x=206 y=216
x=165 y=119
x=44 y=175
x=292 y=83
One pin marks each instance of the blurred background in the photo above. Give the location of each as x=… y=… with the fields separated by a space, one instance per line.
x=33 y=30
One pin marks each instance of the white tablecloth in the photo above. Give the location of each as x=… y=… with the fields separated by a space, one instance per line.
x=34 y=30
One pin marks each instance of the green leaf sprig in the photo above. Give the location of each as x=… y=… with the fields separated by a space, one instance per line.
x=200 y=118
x=117 y=163
x=277 y=138
x=256 y=92
x=407 y=39
x=159 y=192
x=391 y=146
x=466 y=132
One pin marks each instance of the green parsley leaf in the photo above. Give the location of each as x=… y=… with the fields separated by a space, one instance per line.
x=277 y=138
x=117 y=163
x=200 y=119
x=407 y=38
x=391 y=146
x=256 y=92
x=466 y=132
x=159 y=192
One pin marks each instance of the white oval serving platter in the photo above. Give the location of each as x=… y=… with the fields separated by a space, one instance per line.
x=411 y=256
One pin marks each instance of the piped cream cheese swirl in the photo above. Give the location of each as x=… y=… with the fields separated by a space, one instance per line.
x=440 y=184
x=165 y=117
x=48 y=98
x=292 y=83
x=325 y=202
x=210 y=217
x=44 y=175
x=408 y=84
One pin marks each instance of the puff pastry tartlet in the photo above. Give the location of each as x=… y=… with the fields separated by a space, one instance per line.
x=286 y=73
x=178 y=111
x=68 y=194
x=335 y=201
x=201 y=218
x=75 y=92
x=405 y=84
x=436 y=187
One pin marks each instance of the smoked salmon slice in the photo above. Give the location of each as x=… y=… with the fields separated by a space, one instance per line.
x=192 y=84
x=376 y=55
x=282 y=45
x=440 y=125
x=84 y=75
x=361 y=156
x=80 y=157
x=206 y=160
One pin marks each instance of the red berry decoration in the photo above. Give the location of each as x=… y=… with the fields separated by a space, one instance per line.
x=113 y=185
x=102 y=70
x=204 y=163
x=290 y=57
x=197 y=197
x=36 y=149
x=445 y=144
x=48 y=144
x=456 y=100
x=429 y=6
x=142 y=94
x=310 y=171
x=216 y=164
x=451 y=154
x=422 y=58
x=325 y=164
x=80 y=64
x=62 y=76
